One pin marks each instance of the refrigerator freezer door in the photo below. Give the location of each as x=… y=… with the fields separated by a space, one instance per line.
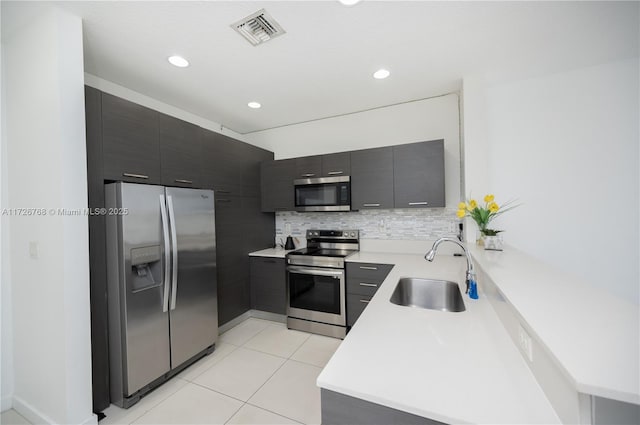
x=138 y=327
x=194 y=302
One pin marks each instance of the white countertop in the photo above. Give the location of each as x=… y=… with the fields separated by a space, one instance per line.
x=592 y=335
x=271 y=252
x=450 y=367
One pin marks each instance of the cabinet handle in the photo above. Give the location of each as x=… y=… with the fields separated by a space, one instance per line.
x=333 y=173
x=418 y=203
x=223 y=200
x=137 y=176
x=184 y=181
x=370 y=205
x=308 y=175
x=365 y=301
x=368 y=268
x=373 y=285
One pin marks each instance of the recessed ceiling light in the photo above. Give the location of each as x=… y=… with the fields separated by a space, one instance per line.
x=254 y=105
x=349 y=2
x=381 y=74
x=178 y=61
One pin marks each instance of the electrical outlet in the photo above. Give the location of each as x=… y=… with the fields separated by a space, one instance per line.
x=382 y=226
x=452 y=227
x=287 y=228
x=525 y=343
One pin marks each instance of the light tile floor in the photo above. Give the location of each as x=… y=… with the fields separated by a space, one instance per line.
x=260 y=373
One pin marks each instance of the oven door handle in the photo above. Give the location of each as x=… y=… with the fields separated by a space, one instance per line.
x=317 y=272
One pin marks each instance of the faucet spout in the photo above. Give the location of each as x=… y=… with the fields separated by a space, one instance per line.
x=471 y=274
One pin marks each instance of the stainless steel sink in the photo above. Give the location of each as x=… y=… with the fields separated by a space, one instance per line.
x=428 y=293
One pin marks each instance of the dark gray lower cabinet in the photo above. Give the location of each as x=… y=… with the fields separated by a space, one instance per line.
x=363 y=280
x=268 y=284
x=340 y=409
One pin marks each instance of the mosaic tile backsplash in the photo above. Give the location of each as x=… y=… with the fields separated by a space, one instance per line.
x=405 y=224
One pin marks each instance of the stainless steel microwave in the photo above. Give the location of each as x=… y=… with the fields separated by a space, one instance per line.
x=323 y=194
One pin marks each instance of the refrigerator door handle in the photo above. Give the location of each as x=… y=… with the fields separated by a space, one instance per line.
x=174 y=250
x=167 y=254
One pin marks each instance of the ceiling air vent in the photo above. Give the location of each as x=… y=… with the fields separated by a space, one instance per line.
x=258 y=27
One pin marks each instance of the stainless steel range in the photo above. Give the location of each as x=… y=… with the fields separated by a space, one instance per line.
x=316 y=282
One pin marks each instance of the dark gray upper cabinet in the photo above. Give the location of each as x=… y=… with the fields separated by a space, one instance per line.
x=419 y=175
x=336 y=164
x=221 y=163
x=252 y=157
x=131 y=149
x=372 y=178
x=268 y=284
x=180 y=152
x=330 y=165
x=308 y=167
x=276 y=185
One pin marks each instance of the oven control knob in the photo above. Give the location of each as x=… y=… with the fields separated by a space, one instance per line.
x=353 y=234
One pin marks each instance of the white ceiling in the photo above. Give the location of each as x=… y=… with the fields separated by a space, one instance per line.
x=322 y=66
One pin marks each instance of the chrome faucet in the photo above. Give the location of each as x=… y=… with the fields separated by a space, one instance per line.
x=471 y=274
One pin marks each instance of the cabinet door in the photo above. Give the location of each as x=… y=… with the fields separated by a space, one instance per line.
x=268 y=284
x=97 y=253
x=308 y=167
x=356 y=304
x=221 y=163
x=372 y=178
x=252 y=157
x=131 y=151
x=233 y=275
x=259 y=228
x=419 y=175
x=336 y=164
x=179 y=152
x=276 y=185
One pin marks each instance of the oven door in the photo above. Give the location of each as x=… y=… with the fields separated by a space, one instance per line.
x=316 y=294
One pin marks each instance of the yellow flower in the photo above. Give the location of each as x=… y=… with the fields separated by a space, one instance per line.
x=462 y=206
x=472 y=205
x=488 y=198
x=461 y=213
x=493 y=207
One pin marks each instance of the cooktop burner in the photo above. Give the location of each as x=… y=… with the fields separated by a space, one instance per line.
x=326 y=248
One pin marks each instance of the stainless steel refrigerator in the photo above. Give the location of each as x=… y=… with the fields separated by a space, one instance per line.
x=161 y=278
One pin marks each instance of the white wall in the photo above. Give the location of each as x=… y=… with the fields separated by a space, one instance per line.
x=475 y=174
x=6 y=333
x=566 y=145
x=429 y=119
x=45 y=138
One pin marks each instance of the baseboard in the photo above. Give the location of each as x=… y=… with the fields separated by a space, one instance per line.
x=258 y=314
x=34 y=416
x=233 y=322
x=29 y=412
x=5 y=403
x=266 y=315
